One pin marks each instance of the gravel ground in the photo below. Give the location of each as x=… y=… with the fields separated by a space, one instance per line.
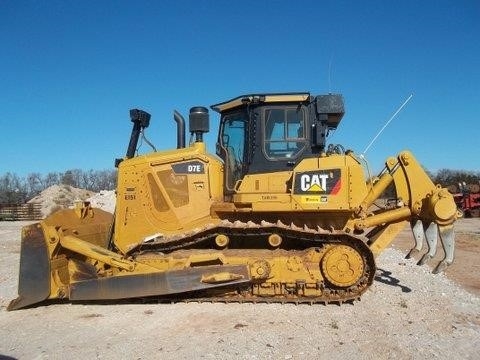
x=408 y=313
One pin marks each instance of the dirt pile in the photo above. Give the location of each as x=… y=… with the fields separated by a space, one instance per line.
x=58 y=197
x=104 y=200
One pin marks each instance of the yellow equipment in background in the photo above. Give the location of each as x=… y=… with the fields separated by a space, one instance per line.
x=276 y=215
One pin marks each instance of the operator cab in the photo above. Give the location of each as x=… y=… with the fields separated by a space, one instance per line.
x=273 y=132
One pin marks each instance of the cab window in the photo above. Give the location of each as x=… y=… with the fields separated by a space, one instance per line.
x=284 y=132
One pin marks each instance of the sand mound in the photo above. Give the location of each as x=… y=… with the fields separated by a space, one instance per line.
x=58 y=197
x=104 y=200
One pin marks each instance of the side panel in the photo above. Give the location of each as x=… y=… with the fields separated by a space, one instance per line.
x=165 y=194
x=333 y=183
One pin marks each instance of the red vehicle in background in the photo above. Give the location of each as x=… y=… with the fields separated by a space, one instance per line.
x=467 y=198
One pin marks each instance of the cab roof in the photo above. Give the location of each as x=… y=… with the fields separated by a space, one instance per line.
x=260 y=98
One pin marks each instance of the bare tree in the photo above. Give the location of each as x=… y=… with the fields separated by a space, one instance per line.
x=448 y=177
x=51 y=179
x=35 y=183
x=12 y=189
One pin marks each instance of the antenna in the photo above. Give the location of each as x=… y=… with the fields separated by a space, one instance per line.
x=329 y=74
x=386 y=124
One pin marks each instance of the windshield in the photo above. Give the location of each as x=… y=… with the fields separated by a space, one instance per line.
x=232 y=142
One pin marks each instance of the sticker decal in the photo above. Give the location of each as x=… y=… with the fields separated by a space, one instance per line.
x=313 y=199
x=325 y=182
x=190 y=167
x=130 y=193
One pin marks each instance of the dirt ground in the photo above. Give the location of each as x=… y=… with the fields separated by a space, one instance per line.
x=408 y=313
x=465 y=271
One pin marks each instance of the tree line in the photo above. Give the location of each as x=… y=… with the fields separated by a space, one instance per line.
x=445 y=177
x=18 y=190
x=448 y=177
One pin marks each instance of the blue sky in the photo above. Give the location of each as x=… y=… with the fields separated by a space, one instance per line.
x=71 y=70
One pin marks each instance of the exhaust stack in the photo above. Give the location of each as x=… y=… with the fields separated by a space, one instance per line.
x=180 y=129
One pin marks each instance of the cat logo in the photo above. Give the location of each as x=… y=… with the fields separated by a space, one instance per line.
x=315 y=182
x=318 y=182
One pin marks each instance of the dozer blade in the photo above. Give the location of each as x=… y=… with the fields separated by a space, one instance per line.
x=34 y=274
x=37 y=263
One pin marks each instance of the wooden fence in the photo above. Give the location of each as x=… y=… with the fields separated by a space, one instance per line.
x=20 y=212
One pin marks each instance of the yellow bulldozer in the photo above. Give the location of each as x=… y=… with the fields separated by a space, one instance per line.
x=275 y=216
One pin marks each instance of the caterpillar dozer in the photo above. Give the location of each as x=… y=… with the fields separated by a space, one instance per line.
x=275 y=216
